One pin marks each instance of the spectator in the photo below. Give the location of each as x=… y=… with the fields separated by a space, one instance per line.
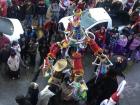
x=13 y=11
x=16 y=47
x=128 y=5
x=43 y=48
x=133 y=46
x=101 y=37
x=21 y=11
x=31 y=50
x=41 y=12
x=29 y=13
x=107 y=5
x=55 y=11
x=63 y=4
x=33 y=92
x=13 y=64
x=23 y=44
x=4 y=55
x=81 y=5
x=100 y=3
x=70 y=9
x=3 y=41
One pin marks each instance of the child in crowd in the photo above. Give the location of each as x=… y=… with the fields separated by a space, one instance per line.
x=13 y=64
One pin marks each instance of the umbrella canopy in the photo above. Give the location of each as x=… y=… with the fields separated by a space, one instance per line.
x=10 y=27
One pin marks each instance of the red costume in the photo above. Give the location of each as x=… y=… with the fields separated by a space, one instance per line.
x=77 y=64
x=101 y=35
x=53 y=50
x=94 y=46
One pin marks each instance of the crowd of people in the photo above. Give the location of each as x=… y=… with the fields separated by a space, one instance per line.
x=40 y=20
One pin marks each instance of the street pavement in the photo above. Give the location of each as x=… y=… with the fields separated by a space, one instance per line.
x=131 y=94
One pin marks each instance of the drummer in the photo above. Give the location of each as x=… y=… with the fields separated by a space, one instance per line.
x=59 y=71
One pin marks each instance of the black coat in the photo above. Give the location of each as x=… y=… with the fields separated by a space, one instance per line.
x=41 y=9
x=32 y=95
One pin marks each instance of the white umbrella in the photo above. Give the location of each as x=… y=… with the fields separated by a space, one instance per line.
x=11 y=28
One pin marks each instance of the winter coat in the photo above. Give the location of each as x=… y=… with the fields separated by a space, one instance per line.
x=41 y=9
x=13 y=11
x=33 y=95
x=30 y=9
x=13 y=63
x=135 y=43
x=21 y=12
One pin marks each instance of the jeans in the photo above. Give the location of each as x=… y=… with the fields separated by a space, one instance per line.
x=41 y=20
x=28 y=20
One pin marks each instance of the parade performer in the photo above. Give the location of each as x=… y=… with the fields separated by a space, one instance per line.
x=101 y=37
x=57 y=75
x=64 y=46
x=47 y=68
x=115 y=97
x=94 y=46
x=103 y=65
x=79 y=90
x=54 y=49
x=74 y=25
x=78 y=69
x=119 y=47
